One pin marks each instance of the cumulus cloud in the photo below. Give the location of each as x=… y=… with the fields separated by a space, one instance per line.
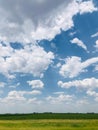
x=5 y=50
x=18 y=96
x=93 y=93
x=79 y=43
x=24 y=21
x=36 y=84
x=31 y=59
x=89 y=83
x=59 y=99
x=74 y=66
x=87 y=6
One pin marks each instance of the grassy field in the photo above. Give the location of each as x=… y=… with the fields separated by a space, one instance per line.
x=49 y=125
x=48 y=121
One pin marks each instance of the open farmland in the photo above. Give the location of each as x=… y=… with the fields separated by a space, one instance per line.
x=40 y=122
x=49 y=125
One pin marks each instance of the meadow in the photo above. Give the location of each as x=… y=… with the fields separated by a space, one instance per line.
x=49 y=121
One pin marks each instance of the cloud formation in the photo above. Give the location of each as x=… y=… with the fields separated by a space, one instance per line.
x=25 y=21
x=2 y=84
x=96 y=45
x=78 y=42
x=94 y=35
x=36 y=84
x=24 y=59
x=93 y=94
x=32 y=59
x=18 y=96
x=59 y=99
x=89 y=83
x=74 y=66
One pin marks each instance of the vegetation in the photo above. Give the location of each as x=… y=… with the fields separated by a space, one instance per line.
x=49 y=125
x=49 y=121
x=48 y=116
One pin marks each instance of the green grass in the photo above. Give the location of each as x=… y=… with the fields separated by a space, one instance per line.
x=49 y=124
x=49 y=121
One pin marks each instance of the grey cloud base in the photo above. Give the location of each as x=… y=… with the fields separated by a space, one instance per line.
x=27 y=21
x=19 y=18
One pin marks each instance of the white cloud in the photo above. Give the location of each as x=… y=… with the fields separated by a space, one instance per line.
x=79 y=43
x=32 y=59
x=87 y=6
x=34 y=92
x=96 y=46
x=53 y=45
x=58 y=65
x=82 y=102
x=94 y=35
x=89 y=83
x=56 y=103
x=2 y=84
x=74 y=66
x=36 y=84
x=1 y=92
x=22 y=93
x=72 y=33
x=18 y=96
x=5 y=51
x=59 y=99
x=58 y=93
x=15 y=85
x=34 y=101
x=33 y=20
x=96 y=68
x=94 y=94
x=27 y=21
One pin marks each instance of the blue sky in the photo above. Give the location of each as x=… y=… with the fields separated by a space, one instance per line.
x=48 y=56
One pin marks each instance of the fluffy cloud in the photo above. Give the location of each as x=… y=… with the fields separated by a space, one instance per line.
x=94 y=94
x=22 y=93
x=5 y=50
x=89 y=83
x=25 y=21
x=32 y=59
x=18 y=96
x=79 y=43
x=74 y=66
x=36 y=84
x=87 y=6
x=59 y=99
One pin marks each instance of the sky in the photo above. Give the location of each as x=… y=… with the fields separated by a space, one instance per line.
x=48 y=56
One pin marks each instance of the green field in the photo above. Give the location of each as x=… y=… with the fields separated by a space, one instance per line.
x=49 y=125
x=41 y=122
